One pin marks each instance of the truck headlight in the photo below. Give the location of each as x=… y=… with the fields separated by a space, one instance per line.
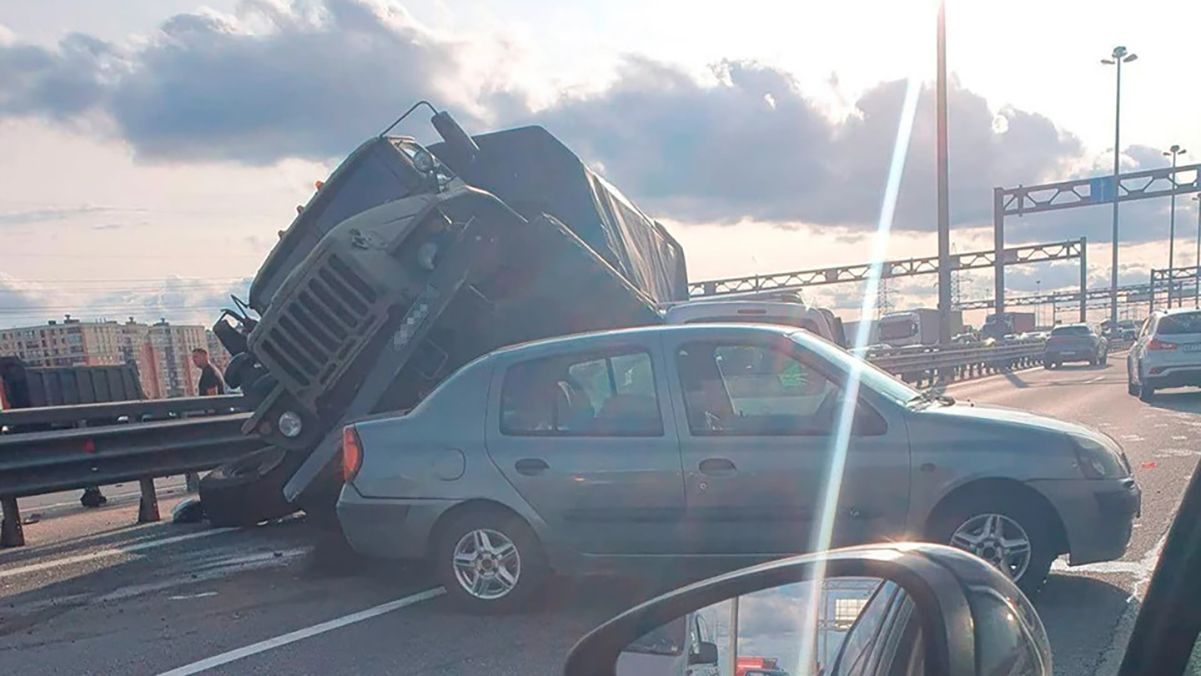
x=1098 y=461
x=290 y=425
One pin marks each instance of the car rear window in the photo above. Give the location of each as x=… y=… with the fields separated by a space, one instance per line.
x=1174 y=325
x=1070 y=331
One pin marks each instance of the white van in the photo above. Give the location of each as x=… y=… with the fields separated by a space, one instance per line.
x=818 y=321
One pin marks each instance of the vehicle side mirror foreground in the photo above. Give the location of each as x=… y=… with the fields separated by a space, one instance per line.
x=881 y=610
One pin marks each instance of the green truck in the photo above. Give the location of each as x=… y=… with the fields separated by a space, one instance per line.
x=408 y=262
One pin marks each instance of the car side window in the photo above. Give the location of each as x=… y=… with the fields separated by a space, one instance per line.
x=755 y=390
x=610 y=394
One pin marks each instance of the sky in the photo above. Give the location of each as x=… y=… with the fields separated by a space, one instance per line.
x=152 y=150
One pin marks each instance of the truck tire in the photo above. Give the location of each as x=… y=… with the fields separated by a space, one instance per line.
x=249 y=489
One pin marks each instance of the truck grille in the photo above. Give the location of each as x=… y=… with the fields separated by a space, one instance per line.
x=319 y=327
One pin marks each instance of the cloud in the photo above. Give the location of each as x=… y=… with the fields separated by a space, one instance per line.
x=299 y=80
x=55 y=214
x=312 y=78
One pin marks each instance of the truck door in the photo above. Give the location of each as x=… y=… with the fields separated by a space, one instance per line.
x=757 y=426
x=588 y=440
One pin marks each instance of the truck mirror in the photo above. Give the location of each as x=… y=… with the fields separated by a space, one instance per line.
x=457 y=140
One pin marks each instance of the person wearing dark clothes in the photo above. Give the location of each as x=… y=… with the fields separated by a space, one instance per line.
x=210 y=381
x=210 y=385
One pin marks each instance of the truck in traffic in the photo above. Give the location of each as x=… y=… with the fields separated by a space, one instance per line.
x=915 y=327
x=407 y=263
x=997 y=326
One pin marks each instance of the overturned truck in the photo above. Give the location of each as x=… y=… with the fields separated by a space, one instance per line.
x=407 y=263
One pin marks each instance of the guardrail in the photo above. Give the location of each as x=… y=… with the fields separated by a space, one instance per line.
x=58 y=448
x=931 y=364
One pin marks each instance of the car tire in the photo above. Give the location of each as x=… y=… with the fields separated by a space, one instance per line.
x=1131 y=388
x=496 y=593
x=1046 y=364
x=1146 y=392
x=1028 y=518
x=250 y=489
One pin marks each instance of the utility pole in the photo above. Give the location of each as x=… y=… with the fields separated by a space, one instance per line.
x=1117 y=58
x=1173 y=152
x=944 y=212
x=1197 y=258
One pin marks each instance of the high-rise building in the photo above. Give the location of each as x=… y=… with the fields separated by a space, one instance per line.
x=161 y=351
x=69 y=342
x=218 y=355
x=170 y=346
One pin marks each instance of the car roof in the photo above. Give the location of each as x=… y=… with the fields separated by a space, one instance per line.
x=583 y=340
x=1177 y=311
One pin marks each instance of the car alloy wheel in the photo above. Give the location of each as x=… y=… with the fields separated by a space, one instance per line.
x=487 y=564
x=998 y=539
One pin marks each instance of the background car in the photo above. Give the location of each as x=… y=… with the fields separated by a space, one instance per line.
x=1075 y=342
x=1166 y=354
x=699 y=441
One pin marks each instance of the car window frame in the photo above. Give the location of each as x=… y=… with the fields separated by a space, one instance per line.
x=581 y=355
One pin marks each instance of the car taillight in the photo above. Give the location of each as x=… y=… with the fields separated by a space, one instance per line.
x=352 y=453
x=1157 y=344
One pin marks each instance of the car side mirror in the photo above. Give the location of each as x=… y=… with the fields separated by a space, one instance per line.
x=907 y=608
x=706 y=653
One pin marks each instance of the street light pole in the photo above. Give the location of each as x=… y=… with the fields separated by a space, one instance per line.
x=1038 y=309
x=1173 y=152
x=1117 y=58
x=1197 y=258
x=944 y=209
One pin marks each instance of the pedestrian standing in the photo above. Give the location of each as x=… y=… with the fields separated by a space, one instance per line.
x=210 y=385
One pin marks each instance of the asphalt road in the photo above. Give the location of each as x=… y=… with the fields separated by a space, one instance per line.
x=94 y=593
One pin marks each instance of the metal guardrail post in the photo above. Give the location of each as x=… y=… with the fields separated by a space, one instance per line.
x=11 y=533
x=148 y=504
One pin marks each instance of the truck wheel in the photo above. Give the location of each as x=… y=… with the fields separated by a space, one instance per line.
x=489 y=561
x=1007 y=532
x=249 y=489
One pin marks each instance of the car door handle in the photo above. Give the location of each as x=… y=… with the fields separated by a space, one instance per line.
x=531 y=466
x=717 y=466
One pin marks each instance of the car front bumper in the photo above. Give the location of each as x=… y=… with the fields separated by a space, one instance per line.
x=386 y=527
x=1097 y=514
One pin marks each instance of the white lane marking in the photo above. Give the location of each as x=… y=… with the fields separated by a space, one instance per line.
x=188 y=597
x=1175 y=453
x=1096 y=380
x=111 y=551
x=301 y=634
x=1112 y=656
x=216 y=571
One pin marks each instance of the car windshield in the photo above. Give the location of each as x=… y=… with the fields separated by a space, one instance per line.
x=420 y=336
x=873 y=378
x=1179 y=324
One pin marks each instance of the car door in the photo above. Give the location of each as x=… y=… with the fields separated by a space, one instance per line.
x=757 y=419
x=587 y=438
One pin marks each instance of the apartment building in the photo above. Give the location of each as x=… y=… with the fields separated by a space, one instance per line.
x=68 y=342
x=162 y=351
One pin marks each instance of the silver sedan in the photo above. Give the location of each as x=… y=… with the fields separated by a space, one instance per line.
x=729 y=442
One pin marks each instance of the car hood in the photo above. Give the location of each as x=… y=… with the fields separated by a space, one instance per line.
x=976 y=414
